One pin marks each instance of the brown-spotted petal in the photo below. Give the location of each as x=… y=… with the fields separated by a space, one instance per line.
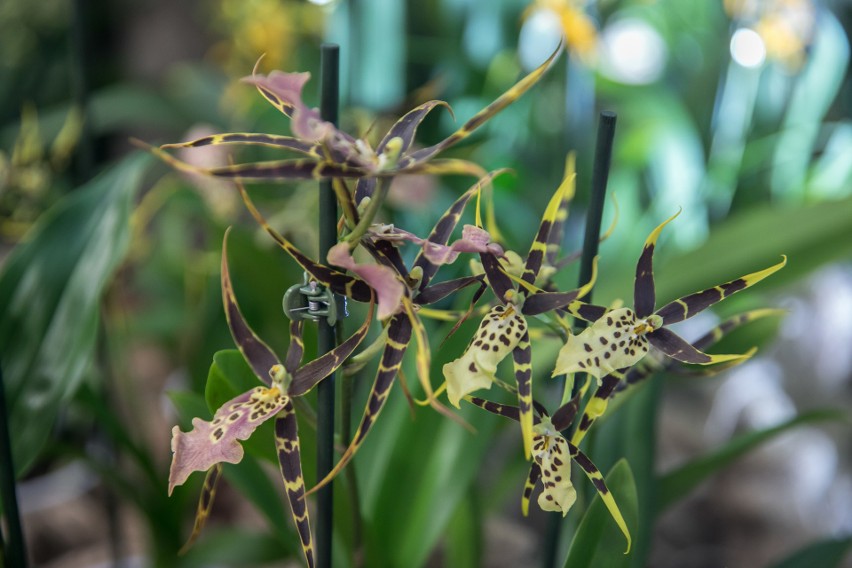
x=217 y=441
x=609 y=344
x=498 y=334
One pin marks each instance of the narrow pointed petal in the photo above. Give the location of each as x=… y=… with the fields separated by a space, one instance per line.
x=529 y=486
x=338 y=282
x=440 y=233
x=309 y=375
x=448 y=166
x=597 y=405
x=439 y=291
x=499 y=332
x=252 y=138
x=557 y=231
x=535 y=256
x=399 y=336
x=692 y=304
x=677 y=348
x=209 y=443
x=607 y=345
x=504 y=410
x=256 y=353
x=651 y=365
x=565 y=414
x=485 y=114
x=290 y=465
x=406 y=127
x=205 y=505
x=285 y=170
x=542 y=302
x=586 y=312
x=552 y=455
x=497 y=278
x=388 y=287
x=597 y=480
x=717 y=333
x=386 y=253
x=522 y=358
x=297 y=347
x=644 y=295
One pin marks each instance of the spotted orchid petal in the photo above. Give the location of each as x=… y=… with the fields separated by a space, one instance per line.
x=287 y=89
x=210 y=443
x=498 y=334
x=615 y=341
x=389 y=289
x=553 y=456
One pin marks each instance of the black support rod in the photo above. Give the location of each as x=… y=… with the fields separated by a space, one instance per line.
x=14 y=552
x=326 y=338
x=591 y=240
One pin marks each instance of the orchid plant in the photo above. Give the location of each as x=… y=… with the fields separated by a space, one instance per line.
x=611 y=349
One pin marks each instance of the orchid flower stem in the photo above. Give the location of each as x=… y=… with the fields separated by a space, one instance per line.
x=326 y=334
x=13 y=548
x=372 y=209
x=597 y=197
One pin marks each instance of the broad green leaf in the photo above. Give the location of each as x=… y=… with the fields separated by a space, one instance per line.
x=629 y=432
x=253 y=483
x=50 y=292
x=238 y=548
x=463 y=547
x=598 y=541
x=678 y=483
x=825 y=554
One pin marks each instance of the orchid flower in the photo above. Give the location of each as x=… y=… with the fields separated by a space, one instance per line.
x=620 y=338
x=330 y=153
x=403 y=322
x=504 y=329
x=551 y=463
x=619 y=381
x=209 y=444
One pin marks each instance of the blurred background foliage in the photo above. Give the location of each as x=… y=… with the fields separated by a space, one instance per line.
x=110 y=310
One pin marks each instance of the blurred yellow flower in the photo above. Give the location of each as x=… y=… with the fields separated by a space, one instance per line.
x=579 y=29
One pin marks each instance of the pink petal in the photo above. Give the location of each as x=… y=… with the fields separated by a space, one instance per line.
x=307 y=123
x=389 y=290
x=209 y=443
x=474 y=240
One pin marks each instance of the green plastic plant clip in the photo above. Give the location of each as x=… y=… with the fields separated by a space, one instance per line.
x=311 y=301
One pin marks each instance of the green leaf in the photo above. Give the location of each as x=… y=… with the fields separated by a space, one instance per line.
x=599 y=541
x=50 y=293
x=464 y=535
x=825 y=554
x=628 y=431
x=254 y=484
x=229 y=377
x=678 y=483
x=232 y=547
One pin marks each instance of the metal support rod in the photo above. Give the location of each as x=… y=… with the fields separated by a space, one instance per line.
x=326 y=339
x=14 y=552
x=591 y=240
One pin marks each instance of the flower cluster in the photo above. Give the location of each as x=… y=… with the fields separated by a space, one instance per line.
x=619 y=348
